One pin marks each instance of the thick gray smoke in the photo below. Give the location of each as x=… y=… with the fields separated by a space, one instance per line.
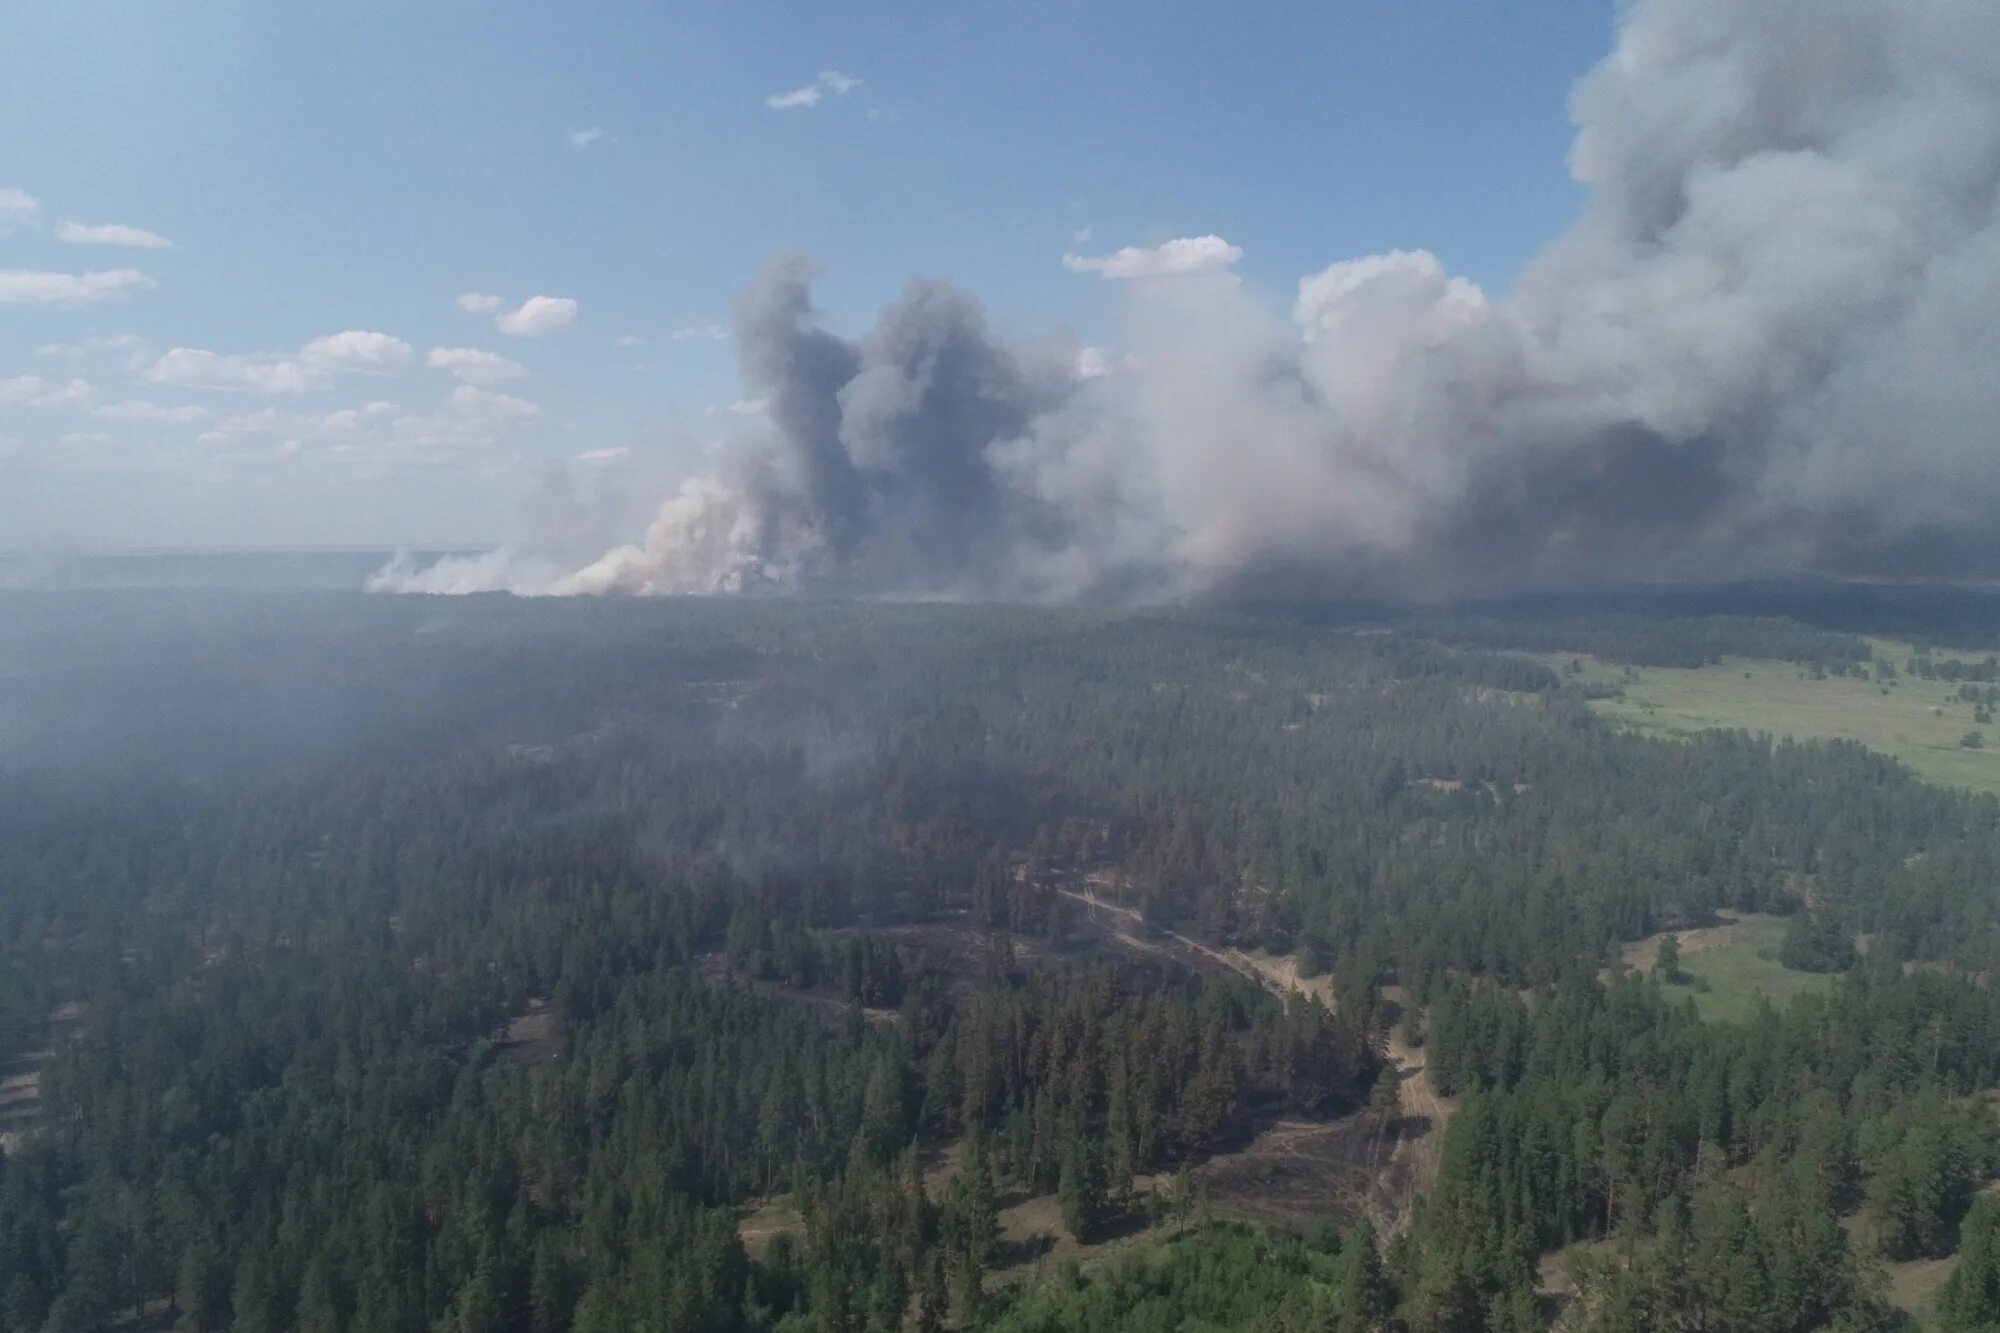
x=1770 y=341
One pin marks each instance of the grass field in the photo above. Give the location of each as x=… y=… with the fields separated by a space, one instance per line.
x=1737 y=962
x=1914 y=1287
x=1914 y=720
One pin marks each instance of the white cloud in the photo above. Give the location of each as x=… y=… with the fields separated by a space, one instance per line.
x=829 y=81
x=31 y=287
x=1176 y=258
x=631 y=340
x=705 y=332
x=195 y=368
x=34 y=391
x=473 y=365
x=1090 y=363
x=120 y=342
x=18 y=206
x=112 y=233
x=345 y=423
x=744 y=407
x=86 y=437
x=472 y=419
x=485 y=405
x=81 y=396
x=602 y=455
x=469 y=419
x=797 y=97
x=538 y=315
x=138 y=410
x=1080 y=236
x=354 y=418
x=357 y=349
x=581 y=139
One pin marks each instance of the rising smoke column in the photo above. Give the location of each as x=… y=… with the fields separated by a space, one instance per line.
x=872 y=475
x=1770 y=340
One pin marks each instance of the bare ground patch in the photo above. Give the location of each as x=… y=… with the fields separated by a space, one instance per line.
x=532 y=1034
x=21 y=1077
x=21 y=1097
x=767 y=1221
x=1298 y=1172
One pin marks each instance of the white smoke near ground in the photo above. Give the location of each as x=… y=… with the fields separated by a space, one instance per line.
x=1768 y=342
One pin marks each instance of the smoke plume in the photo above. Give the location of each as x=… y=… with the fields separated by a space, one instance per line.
x=1768 y=342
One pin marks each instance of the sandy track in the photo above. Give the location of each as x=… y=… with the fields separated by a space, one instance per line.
x=1421 y=1152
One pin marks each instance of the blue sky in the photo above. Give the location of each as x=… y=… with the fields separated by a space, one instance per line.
x=353 y=168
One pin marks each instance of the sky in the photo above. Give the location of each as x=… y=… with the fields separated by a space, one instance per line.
x=349 y=272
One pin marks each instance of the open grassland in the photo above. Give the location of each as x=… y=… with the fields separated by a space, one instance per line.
x=1917 y=721
x=1727 y=968
x=1914 y=1286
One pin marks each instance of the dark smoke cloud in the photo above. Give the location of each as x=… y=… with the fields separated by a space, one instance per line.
x=1769 y=342
x=878 y=462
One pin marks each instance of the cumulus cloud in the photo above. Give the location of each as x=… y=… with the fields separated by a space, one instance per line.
x=80 y=395
x=582 y=139
x=480 y=303
x=1176 y=258
x=473 y=365
x=198 y=368
x=18 y=206
x=828 y=81
x=344 y=427
x=34 y=391
x=485 y=405
x=1766 y=342
x=469 y=420
x=140 y=410
x=120 y=342
x=538 y=315
x=313 y=367
x=34 y=287
x=112 y=233
x=357 y=349
x=350 y=419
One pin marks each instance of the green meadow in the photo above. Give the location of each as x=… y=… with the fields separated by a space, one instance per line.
x=1914 y=720
x=1728 y=968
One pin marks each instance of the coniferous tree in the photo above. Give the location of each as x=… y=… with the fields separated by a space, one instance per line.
x=1081 y=1192
x=1971 y=1297
x=1667 y=966
x=1363 y=1296
x=201 y=1290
